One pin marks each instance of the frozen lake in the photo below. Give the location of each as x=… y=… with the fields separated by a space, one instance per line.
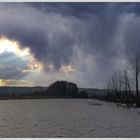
x=67 y=118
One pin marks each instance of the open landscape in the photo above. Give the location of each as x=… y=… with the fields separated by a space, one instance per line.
x=69 y=69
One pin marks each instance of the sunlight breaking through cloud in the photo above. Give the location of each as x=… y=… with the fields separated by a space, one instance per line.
x=67 y=69
x=12 y=46
x=81 y=42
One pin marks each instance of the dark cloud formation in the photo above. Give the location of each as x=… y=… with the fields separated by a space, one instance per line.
x=96 y=38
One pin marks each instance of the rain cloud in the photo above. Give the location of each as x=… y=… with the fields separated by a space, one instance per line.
x=92 y=40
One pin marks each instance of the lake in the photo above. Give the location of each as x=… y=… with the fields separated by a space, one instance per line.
x=67 y=118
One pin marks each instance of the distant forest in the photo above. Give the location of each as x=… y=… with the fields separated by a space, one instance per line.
x=59 y=89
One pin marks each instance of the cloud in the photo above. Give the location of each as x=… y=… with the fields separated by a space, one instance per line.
x=92 y=40
x=16 y=60
x=67 y=69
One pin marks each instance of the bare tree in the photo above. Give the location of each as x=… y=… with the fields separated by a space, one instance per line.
x=119 y=85
x=134 y=67
x=108 y=86
x=127 y=88
x=115 y=86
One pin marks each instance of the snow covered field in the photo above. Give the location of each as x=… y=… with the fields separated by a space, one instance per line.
x=67 y=118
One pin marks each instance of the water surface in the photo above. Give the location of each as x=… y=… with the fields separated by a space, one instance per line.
x=66 y=118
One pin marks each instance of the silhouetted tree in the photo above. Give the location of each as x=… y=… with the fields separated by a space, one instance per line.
x=115 y=86
x=119 y=86
x=63 y=89
x=127 y=90
x=134 y=67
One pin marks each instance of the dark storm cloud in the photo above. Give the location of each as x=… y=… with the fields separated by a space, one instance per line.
x=45 y=34
x=94 y=37
x=80 y=10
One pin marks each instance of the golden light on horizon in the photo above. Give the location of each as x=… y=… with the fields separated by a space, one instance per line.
x=13 y=82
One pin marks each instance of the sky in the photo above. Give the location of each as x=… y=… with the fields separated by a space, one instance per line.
x=83 y=43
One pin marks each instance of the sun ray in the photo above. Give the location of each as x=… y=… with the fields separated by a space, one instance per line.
x=12 y=46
